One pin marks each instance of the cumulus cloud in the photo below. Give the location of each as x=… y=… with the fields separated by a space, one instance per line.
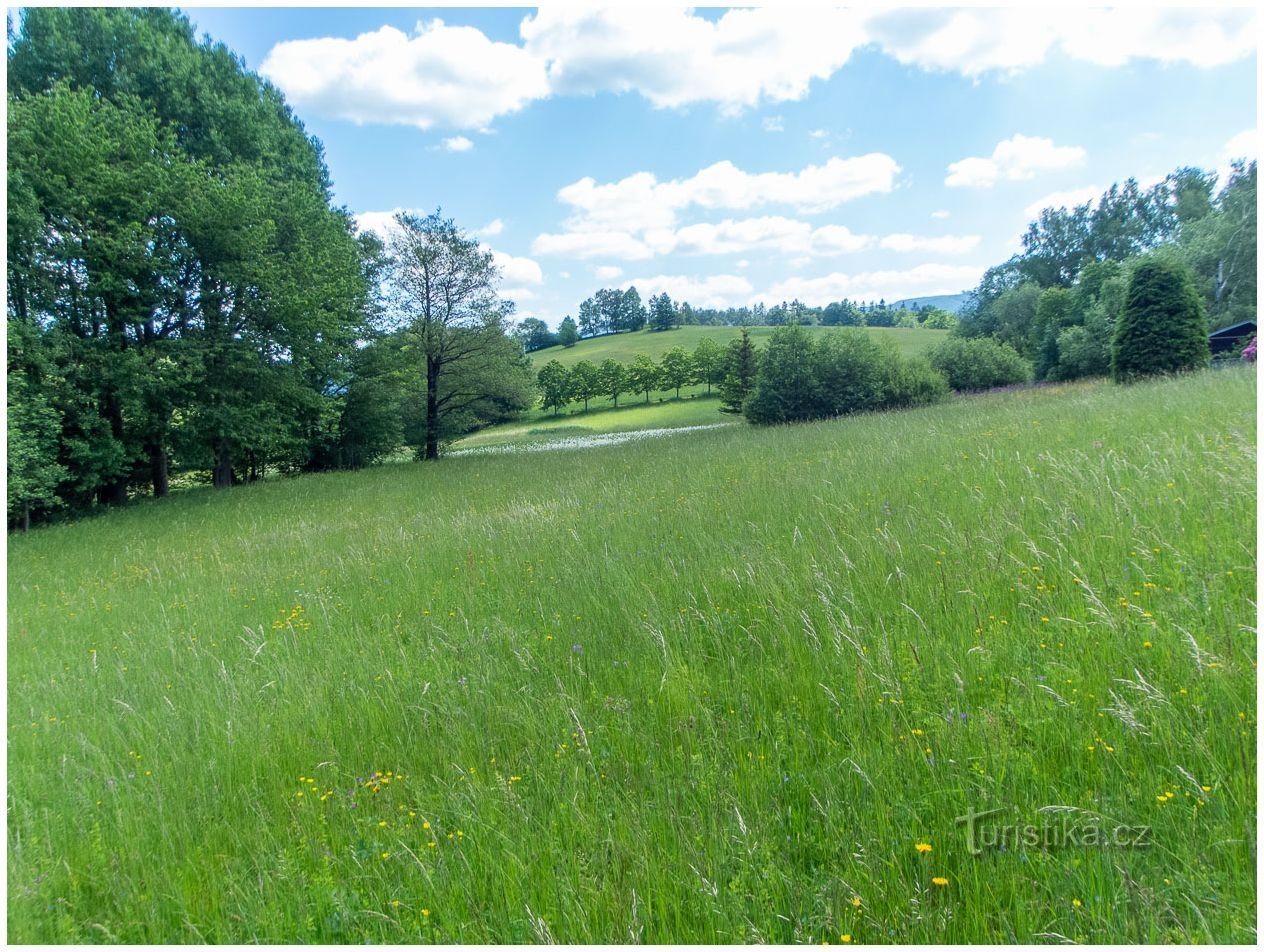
x=1068 y=199
x=627 y=219
x=608 y=272
x=930 y=278
x=516 y=271
x=773 y=124
x=717 y=290
x=458 y=144
x=1019 y=157
x=941 y=213
x=491 y=229
x=977 y=41
x=674 y=57
x=449 y=76
x=456 y=77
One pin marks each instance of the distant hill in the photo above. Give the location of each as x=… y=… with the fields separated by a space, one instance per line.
x=625 y=347
x=952 y=303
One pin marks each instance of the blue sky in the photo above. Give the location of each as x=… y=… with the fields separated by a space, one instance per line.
x=729 y=157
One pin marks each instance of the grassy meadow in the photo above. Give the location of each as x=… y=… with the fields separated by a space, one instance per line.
x=729 y=686
x=626 y=347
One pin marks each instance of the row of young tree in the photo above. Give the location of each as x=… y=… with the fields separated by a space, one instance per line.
x=183 y=297
x=1059 y=301
x=730 y=368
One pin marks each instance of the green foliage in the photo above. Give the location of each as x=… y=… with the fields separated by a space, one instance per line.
x=554 y=384
x=676 y=369
x=708 y=363
x=979 y=363
x=567 y=332
x=614 y=379
x=805 y=378
x=585 y=381
x=662 y=314
x=643 y=376
x=1163 y=325
x=741 y=368
x=535 y=334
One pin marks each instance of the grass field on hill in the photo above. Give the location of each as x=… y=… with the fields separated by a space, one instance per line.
x=625 y=347
x=728 y=686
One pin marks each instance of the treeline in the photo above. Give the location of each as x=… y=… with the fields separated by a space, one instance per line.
x=613 y=311
x=1059 y=301
x=183 y=297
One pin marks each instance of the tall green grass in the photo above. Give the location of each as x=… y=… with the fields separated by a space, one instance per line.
x=714 y=688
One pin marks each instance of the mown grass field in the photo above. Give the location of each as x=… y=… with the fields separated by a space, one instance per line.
x=625 y=347
x=729 y=686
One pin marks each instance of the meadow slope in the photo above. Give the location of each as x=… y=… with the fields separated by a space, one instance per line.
x=728 y=686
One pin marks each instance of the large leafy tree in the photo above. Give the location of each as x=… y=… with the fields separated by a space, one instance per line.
x=443 y=291
x=585 y=381
x=676 y=368
x=614 y=379
x=643 y=375
x=555 y=386
x=178 y=243
x=708 y=362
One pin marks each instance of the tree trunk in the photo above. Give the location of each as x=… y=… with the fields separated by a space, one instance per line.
x=114 y=492
x=26 y=517
x=158 y=469
x=223 y=473
x=432 y=409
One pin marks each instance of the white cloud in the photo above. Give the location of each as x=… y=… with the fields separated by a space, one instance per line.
x=518 y=295
x=1245 y=145
x=717 y=290
x=441 y=75
x=819 y=133
x=491 y=229
x=458 y=144
x=942 y=213
x=608 y=272
x=611 y=214
x=944 y=244
x=773 y=124
x=457 y=77
x=381 y=223
x=976 y=41
x=1019 y=157
x=517 y=270
x=1068 y=199
x=931 y=278
x=673 y=58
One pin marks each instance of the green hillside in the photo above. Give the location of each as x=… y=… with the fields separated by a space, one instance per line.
x=719 y=687
x=625 y=347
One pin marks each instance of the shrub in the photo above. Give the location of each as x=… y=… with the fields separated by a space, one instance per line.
x=979 y=363
x=802 y=378
x=1163 y=325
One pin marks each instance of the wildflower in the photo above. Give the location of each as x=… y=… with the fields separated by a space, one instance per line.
x=386 y=856
x=845 y=937
x=940 y=881
x=855 y=901
x=1076 y=903
x=923 y=847
x=425 y=825
x=426 y=913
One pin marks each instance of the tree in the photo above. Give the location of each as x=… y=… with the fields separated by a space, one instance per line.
x=1163 y=325
x=443 y=286
x=567 y=332
x=590 y=319
x=34 y=428
x=741 y=367
x=585 y=381
x=535 y=334
x=662 y=313
x=614 y=379
x=609 y=303
x=676 y=368
x=708 y=363
x=785 y=388
x=555 y=386
x=631 y=311
x=643 y=376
